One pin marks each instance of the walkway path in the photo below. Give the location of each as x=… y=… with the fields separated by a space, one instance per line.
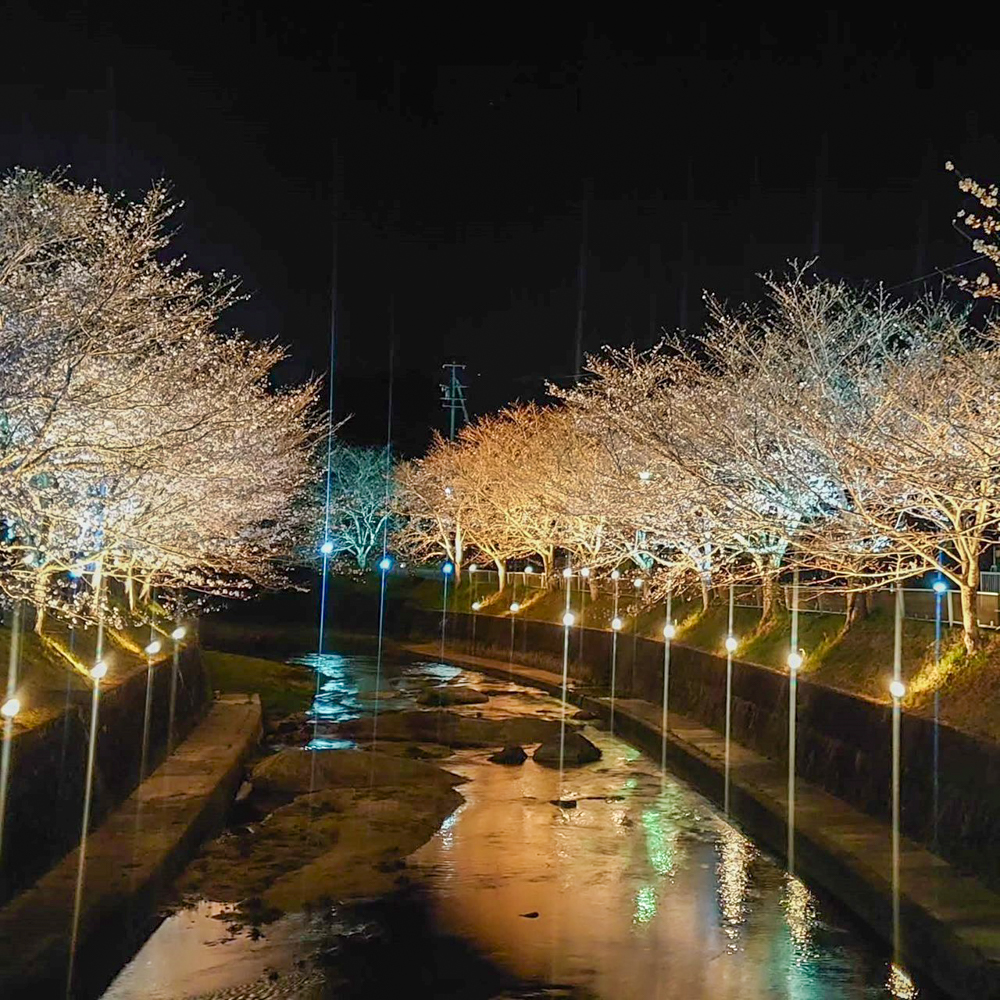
x=950 y=922
x=130 y=858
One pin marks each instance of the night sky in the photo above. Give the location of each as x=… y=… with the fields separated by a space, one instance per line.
x=453 y=152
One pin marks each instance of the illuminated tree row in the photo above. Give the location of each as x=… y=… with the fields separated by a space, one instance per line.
x=838 y=431
x=137 y=444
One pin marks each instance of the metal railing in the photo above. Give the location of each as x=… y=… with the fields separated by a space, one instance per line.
x=918 y=602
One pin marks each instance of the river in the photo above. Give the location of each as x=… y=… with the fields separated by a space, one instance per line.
x=640 y=890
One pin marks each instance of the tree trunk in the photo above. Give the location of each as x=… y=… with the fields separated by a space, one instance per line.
x=705 y=592
x=771 y=597
x=969 y=589
x=856 y=607
x=546 y=564
x=501 y=573
x=459 y=553
x=594 y=592
x=41 y=597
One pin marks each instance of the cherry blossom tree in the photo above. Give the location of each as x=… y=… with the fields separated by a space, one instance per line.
x=136 y=442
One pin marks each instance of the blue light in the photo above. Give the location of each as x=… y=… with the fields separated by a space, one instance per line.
x=448 y=568
x=385 y=564
x=326 y=548
x=75 y=574
x=940 y=586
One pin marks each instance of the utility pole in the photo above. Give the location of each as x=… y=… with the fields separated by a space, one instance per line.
x=453 y=397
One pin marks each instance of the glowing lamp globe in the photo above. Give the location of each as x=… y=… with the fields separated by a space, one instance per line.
x=476 y=605
x=447 y=569
x=615 y=575
x=567 y=573
x=645 y=475
x=473 y=568
x=99 y=670
x=515 y=607
x=448 y=491
x=529 y=569
x=385 y=564
x=10 y=708
x=178 y=633
x=897 y=689
x=731 y=643
x=326 y=548
x=568 y=619
x=616 y=624
x=669 y=630
x=585 y=572
x=153 y=648
x=940 y=586
x=637 y=583
x=794 y=661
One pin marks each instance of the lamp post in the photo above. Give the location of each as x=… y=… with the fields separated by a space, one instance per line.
x=731 y=645
x=447 y=569
x=151 y=650
x=794 y=663
x=897 y=689
x=939 y=590
x=177 y=635
x=669 y=631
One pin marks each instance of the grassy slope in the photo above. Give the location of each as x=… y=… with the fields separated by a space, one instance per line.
x=283 y=688
x=858 y=661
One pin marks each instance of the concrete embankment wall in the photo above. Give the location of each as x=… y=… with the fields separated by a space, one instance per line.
x=48 y=764
x=843 y=741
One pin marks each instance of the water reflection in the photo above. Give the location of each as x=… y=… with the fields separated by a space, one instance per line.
x=640 y=891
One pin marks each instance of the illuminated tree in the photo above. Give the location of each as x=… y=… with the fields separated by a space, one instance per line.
x=136 y=443
x=359 y=505
x=432 y=505
x=984 y=222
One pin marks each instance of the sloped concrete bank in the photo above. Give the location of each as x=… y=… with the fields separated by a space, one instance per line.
x=48 y=764
x=130 y=858
x=950 y=921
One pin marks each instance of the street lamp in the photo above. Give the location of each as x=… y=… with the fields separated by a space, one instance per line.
x=585 y=572
x=615 y=575
x=567 y=573
x=616 y=624
x=385 y=564
x=669 y=631
x=940 y=586
x=645 y=475
x=178 y=633
x=794 y=661
x=153 y=648
x=99 y=670
x=10 y=708
x=476 y=605
x=897 y=689
x=515 y=607
x=326 y=548
x=568 y=619
x=637 y=583
x=731 y=643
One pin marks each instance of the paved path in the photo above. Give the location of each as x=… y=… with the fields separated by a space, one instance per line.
x=130 y=859
x=950 y=923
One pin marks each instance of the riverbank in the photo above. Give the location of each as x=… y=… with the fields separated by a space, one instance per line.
x=950 y=923
x=130 y=859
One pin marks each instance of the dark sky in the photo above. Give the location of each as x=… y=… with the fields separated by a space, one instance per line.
x=453 y=151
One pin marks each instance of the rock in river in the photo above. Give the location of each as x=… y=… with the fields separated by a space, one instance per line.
x=578 y=750
x=509 y=755
x=457 y=694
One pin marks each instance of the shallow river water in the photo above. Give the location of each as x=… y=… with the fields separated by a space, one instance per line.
x=641 y=890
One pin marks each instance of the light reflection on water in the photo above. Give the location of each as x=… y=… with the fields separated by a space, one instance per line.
x=640 y=891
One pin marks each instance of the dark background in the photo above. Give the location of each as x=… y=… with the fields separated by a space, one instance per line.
x=454 y=151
